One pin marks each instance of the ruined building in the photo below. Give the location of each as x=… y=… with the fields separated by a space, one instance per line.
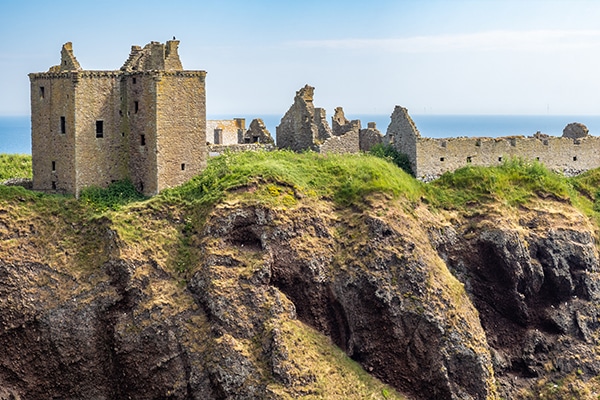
x=576 y=151
x=233 y=131
x=145 y=122
x=304 y=127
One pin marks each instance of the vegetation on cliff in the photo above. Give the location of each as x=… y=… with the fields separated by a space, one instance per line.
x=285 y=275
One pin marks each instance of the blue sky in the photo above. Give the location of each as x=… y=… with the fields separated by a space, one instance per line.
x=433 y=57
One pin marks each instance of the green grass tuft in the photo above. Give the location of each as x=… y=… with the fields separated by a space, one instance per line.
x=15 y=166
x=514 y=182
x=113 y=197
x=345 y=179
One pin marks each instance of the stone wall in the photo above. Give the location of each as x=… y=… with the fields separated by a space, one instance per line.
x=369 y=137
x=258 y=133
x=218 y=149
x=297 y=130
x=145 y=122
x=225 y=131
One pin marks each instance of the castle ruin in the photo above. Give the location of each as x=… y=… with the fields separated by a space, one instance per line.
x=305 y=127
x=145 y=122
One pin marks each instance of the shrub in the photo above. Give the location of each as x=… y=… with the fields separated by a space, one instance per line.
x=113 y=197
x=389 y=153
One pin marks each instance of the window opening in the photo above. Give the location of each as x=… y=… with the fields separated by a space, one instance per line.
x=143 y=140
x=134 y=80
x=254 y=139
x=42 y=92
x=63 y=125
x=99 y=129
x=499 y=159
x=574 y=158
x=136 y=106
x=442 y=159
x=53 y=166
x=53 y=185
x=468 y=159
x=183 y=166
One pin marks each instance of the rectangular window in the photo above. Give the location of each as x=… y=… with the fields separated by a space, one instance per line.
x=53 y=185
x=143 y=140
x=42 y=92
x=499 y=159
x=442 y=159
x=136 y=106
x=53 y=166
x=469 y=159
x=575 y=158
x=134 y=81
x=99 y=129
x=63 y=125
x=183 y=167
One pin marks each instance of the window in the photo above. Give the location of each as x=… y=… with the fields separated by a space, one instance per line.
x=99 y=129
x=42 y=92
x=183 y=166
x=63 y=125
x=537 y=159
x=134 y=81
x=469 y=159
x=53 y=185
x=574 y=158
x=143 y=140
x=442 y=159
x=254 y=139
x=53 y=166
x=136 y=106
x=499 y=159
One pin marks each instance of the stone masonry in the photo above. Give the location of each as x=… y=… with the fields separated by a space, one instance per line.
x=305 y=127
x=576 y=151
x=145 y=122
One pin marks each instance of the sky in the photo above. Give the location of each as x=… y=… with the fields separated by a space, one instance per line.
x=432 y=56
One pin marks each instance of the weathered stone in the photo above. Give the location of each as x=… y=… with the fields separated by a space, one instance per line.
x=145 y=122
x=575 y=130
x=369 y=137
x=258 y=133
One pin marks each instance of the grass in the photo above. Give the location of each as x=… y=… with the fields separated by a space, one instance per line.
x=344 y=179
x=116 y=195
x=15 y=166
x=513 y=183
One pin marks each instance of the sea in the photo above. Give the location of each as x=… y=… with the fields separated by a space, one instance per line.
x=15 y=132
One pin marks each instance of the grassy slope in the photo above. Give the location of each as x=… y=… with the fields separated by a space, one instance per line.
x=162 y=224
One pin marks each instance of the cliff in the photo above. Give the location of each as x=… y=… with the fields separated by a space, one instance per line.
x=281 y=275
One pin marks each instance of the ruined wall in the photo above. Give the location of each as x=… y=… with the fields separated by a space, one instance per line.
x=225 y=131
x=436 y=156
x=257 y=133
x=100 y=148
x=218 y=149
x=180 y=134
x=297 y=130
x=53 y=152
x=347 y=143
x=402 y=134
x=369 y=137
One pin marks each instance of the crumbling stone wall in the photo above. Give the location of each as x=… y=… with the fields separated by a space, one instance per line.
x=572 y=153
x=225 y=131
x=298 y=129
x=369 y=137
x=145 y=122
x=258 y=133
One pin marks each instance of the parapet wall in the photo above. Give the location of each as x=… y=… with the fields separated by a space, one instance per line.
x=436 y=156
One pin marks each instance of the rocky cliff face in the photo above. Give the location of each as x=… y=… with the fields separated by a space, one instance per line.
x=438 y=306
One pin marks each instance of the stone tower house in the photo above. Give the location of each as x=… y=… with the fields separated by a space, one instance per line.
x=145 y=122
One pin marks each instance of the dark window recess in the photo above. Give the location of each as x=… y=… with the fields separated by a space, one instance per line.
x=143 y=140
x=53 y=185
x=123 y=134
x=120 y=113
x=469 y=159
x=499 y=159
x=442 y=159
x=99 y=129
x=183 y=166
x=63 y=125
x=141 y=186
x=53 y=166
x=574 y=158
x=537 y=159
x=254 y=139
x=247 y=140
x=134 y=81
x=136 y=106
x=42 y=92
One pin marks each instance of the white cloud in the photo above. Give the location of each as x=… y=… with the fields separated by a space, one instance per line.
x=535 y=40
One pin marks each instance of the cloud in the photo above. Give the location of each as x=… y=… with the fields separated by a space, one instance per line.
x=525 y=41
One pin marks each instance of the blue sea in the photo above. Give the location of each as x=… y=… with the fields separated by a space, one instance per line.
x=15 y=132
